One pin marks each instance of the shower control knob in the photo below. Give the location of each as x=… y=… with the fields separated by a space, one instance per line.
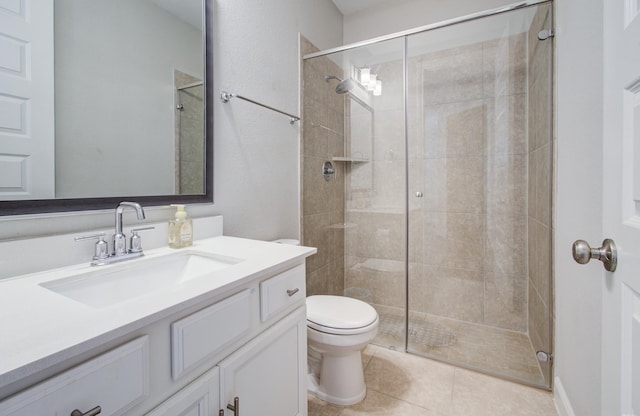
x=328 y=171
x=607 y=254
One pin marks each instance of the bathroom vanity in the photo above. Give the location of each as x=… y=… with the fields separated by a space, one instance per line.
x=225 y=337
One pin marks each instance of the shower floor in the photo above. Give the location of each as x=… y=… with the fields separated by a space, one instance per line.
x=494 y=350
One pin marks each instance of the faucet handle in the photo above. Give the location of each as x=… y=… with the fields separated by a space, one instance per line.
x=135 y=245
x=101 y=250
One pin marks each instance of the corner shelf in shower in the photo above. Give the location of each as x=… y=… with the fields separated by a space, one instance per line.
x=349 y=159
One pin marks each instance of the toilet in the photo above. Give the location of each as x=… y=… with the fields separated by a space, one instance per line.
x=338 y=329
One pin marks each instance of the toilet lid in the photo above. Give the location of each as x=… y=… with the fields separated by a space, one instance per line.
x=339 y=312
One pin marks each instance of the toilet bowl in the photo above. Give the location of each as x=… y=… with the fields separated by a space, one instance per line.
x=338 y=329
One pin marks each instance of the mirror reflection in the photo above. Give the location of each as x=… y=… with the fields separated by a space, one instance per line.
x=113 y=105
x=359 y=142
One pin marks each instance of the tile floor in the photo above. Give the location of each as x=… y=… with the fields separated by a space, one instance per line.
x=491 y=349
x=409 y=385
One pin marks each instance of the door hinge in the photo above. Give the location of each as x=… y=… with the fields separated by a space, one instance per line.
x=546 y=34
x=544 y=357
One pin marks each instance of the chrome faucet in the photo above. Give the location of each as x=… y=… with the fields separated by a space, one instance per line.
x=102 y=255
x=119 y=239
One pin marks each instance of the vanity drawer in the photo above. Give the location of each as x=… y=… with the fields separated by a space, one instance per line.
x=116 y=381
x=281 y=291
x=200 y=336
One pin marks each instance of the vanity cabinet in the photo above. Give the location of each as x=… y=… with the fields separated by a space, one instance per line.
x=246 y=341
x=267 y=374
x=115 y=381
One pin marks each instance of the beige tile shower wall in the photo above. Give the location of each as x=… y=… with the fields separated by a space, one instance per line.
x=476 y=191
x=322 y=201
x=468 y=154
x=539 y=186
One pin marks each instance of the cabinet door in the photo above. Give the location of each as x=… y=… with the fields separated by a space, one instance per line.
x=200 y=398
x=200 y=336
x=267 y=374
x=116 y=381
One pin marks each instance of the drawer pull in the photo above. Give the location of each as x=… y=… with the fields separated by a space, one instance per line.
x=93 y=412
x=292 y=292
x=235 y=407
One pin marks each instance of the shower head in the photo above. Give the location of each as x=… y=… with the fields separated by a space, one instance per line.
x=343 y=86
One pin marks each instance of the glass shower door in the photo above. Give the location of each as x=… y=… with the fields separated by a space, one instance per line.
x=353 y=118
x=479 y=111
x=375 y=239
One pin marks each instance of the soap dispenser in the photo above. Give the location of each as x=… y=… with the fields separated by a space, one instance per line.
x=180 y=229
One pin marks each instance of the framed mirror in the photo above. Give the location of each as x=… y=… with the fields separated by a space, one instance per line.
x=105 y=100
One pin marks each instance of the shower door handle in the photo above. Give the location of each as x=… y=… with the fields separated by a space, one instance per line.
x=607 y=254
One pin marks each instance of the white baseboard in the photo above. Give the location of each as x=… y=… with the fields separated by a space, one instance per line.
x=563 y=406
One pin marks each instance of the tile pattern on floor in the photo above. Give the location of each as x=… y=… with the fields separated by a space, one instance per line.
x=406 y=384
x=491 y=349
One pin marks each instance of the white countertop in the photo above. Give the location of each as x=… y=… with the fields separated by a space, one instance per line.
x=40 y=328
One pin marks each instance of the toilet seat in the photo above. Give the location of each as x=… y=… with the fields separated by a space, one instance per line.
x=340 y=315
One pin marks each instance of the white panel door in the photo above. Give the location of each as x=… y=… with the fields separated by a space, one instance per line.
x=621 y=207
x=26 y=100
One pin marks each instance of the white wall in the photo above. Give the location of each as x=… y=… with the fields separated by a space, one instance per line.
x=395 y=16
x=256 y=150
x=579 y=57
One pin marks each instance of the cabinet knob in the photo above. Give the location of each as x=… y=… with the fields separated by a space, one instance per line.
x=93 y=412
x=235 y=407
x=292 y=292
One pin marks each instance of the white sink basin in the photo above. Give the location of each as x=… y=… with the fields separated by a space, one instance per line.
x=114 y=284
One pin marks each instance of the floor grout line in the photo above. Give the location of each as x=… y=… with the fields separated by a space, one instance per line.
x=405 y=401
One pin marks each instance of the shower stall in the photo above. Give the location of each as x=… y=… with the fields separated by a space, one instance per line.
x=437 y=209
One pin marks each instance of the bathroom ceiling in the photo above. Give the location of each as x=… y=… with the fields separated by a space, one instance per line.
x=351 y=6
